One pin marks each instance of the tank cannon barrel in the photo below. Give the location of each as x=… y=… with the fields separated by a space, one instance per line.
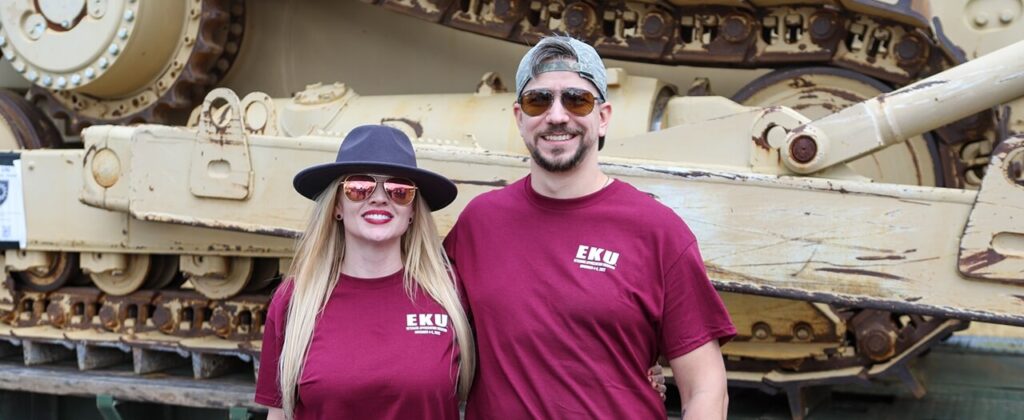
x=893 y=117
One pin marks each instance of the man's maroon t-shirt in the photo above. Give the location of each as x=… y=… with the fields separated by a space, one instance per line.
x=573 y=300
x=375 y=354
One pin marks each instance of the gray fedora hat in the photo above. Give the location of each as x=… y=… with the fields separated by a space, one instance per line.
x=377 y=149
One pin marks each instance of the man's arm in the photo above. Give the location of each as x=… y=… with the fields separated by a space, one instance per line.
x=700 y=376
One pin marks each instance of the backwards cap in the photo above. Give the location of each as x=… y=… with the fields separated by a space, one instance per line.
x=588 y=64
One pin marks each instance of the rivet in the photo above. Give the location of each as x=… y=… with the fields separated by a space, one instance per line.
x=47 y=81
x=61 y=82
x=122 y=33
x=103 y=63
x=3 y=40
x=803 y=149
x=129 y=15
x=981 y=19
x=1006 y=16
x=31 y=76
x=76 y=79
x=114 y=49
x=19 y=67
x=65 y=24
x=90 y=73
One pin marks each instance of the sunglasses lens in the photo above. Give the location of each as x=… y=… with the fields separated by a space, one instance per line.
x=359 y=187
x=535 y=102
x=401 y=191
x=577 y=101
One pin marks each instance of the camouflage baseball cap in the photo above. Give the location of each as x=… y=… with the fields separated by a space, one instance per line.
x=588 y=64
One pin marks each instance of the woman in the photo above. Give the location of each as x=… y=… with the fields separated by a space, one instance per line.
x=369 y=323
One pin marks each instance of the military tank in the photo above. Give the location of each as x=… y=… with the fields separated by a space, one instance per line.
x=139 y=280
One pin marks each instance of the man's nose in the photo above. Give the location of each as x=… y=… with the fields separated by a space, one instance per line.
x=557 y=114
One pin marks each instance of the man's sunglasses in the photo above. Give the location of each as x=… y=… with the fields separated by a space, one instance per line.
x=579 y=102
x=357 y=188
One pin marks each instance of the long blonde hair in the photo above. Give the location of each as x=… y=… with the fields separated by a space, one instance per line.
x=315 y=270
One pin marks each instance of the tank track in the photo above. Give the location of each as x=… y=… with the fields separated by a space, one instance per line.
x=180 y=88
x=153 y=330
x=712 y=35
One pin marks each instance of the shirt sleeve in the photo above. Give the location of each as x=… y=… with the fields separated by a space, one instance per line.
x=694 y=313
x=268 y=391
x=460 y=282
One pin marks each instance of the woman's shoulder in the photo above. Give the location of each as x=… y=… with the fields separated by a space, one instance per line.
x=282 y=295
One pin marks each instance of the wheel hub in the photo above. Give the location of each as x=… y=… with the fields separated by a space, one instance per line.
x=104 y=48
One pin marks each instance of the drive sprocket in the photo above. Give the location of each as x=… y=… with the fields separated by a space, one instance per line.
x=120 y=62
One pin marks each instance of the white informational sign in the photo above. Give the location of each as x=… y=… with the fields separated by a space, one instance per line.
x=12 y=202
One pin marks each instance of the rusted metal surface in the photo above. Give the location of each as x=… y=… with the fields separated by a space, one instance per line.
x=126 y=313
x=241 y=318
x=992 y=245
x=73 y=307
x=817 y=92
x=181 y=313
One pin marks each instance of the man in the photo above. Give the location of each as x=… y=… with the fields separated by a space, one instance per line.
x=575 y=281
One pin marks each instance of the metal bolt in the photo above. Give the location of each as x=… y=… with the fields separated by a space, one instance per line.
x=3 y=41
x=108 y=316
x=114 y=49
x=65 y=24
x=822 y=26
x=122 y=33
x=761 y=331
x=736 y=28
x=653 y=25
x=103 y=63
x=19 y=67
x=1006 y=16
x=76 y=79
x=47 y=81
x=90 y=73
x=31 y=76
x=129 y=15
x=802 y=331
x=61 y=82
x=36 y=31
x=97 y=8
x=803 y=149
x=981 y=19
x=911 y=50
x=576 y=16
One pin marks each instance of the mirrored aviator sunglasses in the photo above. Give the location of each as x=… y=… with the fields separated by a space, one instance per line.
x=358 y=188
x=579 y=102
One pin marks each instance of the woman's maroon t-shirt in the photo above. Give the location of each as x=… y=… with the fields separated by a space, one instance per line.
x=375 y=353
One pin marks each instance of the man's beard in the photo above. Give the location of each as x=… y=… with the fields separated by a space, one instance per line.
x=565 y=165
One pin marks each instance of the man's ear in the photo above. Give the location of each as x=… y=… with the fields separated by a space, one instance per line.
x=517 y=113
x=605 y=113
